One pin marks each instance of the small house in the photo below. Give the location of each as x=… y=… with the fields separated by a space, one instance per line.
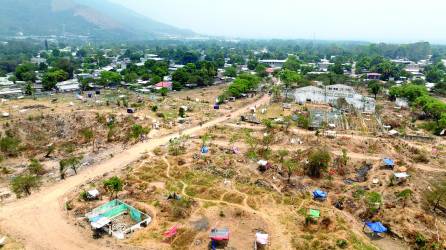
x=375 y=227
x=162 y=85
x=388 y=163
x=319 y=195
x=219 y=237
x=400 y=177
x=261 y=240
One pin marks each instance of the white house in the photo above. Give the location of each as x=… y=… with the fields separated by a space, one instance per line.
x=330 y=95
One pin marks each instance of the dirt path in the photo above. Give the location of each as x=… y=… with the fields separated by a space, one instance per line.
x=277 y=230
x=40 y=222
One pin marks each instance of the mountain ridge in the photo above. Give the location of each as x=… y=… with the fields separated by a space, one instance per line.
x=96 y=19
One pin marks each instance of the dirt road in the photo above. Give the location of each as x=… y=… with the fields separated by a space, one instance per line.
x=39 y=221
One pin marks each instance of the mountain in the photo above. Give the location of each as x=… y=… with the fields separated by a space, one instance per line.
x=96 y=19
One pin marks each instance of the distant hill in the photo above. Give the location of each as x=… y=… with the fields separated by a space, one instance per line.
x=97 y=19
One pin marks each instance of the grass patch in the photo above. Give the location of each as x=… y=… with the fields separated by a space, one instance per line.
x=233 y=197
x=184 y=239
x=358 y=244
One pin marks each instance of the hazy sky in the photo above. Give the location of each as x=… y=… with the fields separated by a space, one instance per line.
x=365 y=20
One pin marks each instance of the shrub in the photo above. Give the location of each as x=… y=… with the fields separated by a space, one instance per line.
x=35 y=167
x=341 y=243
x=10 y=145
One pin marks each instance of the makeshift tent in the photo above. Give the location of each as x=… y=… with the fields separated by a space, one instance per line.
x=261 y=238
x=219 y=234
x=314 y=213
x=319 y=194
x=376 y=227
x=216 y=106
x=389 y=162
x=204 y=150
x=130 y=110
x=171 y=232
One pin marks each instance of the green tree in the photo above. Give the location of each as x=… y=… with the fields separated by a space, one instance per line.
x=252 y=64
x=318 y=161
x=110 y=78
x=337 y=68
x=436 y=195
x=113 y=186
x=374 y=88
x=292 y=63
x=72 y=162
x=290 y=79
x=261 y=70
x=163 y=92
x=24 y=183
x=29 y=89
x=52 y=77
x=231 y=71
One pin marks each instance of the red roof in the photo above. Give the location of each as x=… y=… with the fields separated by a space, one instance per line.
x=164 y=85
x=269 y=70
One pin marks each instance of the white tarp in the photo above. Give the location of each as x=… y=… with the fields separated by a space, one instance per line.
x=401 y=175
x=262 y=238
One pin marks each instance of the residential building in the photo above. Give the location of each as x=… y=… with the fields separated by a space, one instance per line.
x=68 y=86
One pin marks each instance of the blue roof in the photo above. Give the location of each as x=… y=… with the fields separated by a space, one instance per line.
x=319 y=194
x=388 y=162
x=376 y=227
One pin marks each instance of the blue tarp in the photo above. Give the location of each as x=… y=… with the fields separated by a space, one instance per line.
x=204 y=150
x=388 y=162
x=376 y=227
x=319 y=194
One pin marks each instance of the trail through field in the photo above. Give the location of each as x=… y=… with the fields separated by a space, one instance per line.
x=40 y=222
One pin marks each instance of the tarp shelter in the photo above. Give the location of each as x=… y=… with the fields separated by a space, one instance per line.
x=93 y=194
x=171 y=232
x=130 y=110
x=216 y=106
x=319 y=194
x=401 y=175
x=376 y=227
x=389 y=162
x=314 y=213
x=204 y=150
x=221 y=234
x=261 y=238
